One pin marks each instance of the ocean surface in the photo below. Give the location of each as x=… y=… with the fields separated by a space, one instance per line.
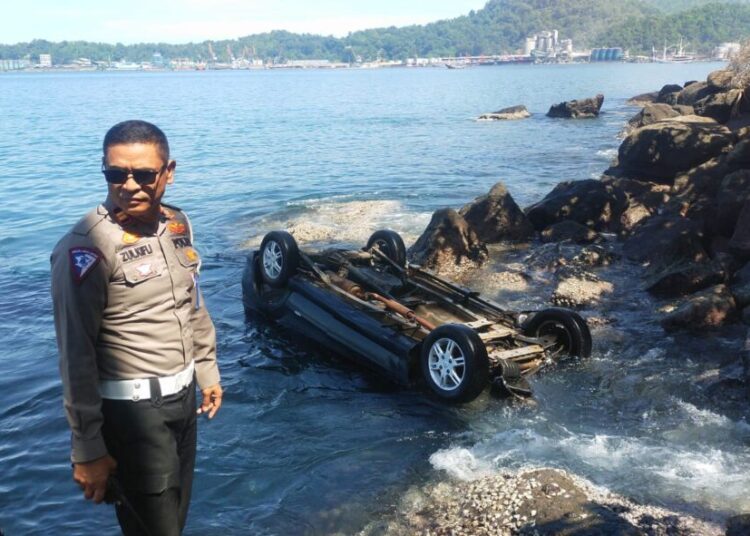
x=305 y=442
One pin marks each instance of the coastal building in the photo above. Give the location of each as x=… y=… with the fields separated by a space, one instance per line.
x=45 y=61
x=547 y=46
x=726 y=51
x=14 y=64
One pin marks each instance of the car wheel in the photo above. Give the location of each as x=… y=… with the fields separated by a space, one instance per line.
x=571 y=333
x=279 y=258
x=391 y=244
x=454 y=362
x=257 y=297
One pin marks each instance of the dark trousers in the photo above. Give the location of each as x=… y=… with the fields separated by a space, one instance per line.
x=153 y=442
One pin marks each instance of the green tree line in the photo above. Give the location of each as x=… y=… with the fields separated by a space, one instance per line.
x=500 y=27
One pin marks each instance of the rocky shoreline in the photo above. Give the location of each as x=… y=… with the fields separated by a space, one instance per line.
x=675 y=205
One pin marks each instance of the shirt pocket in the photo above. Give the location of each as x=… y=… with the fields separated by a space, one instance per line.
x=144 y=269
x=188 y=257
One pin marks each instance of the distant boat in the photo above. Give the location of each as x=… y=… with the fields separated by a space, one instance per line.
x=679 y=57
x=455 y=65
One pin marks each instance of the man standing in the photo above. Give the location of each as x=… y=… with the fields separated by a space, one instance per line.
x=134 y=336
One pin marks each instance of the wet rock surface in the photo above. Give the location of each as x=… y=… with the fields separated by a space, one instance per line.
x=533 y=501
x=511 y=113
x=577 y=109
x=569 y=230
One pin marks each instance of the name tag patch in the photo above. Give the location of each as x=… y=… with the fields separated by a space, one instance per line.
x=82 y=262
x=132 y=254
x=181 y=242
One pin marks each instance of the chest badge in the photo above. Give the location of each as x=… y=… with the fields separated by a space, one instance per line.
x=177 y=228
x=144 y=269
x=191 y=254
x=130 y=238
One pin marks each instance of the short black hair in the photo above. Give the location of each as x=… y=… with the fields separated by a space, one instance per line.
x=136 y=131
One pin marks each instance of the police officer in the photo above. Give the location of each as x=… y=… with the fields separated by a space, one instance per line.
x=134 y=336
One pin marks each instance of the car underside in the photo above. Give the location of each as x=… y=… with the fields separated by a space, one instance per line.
x=395 y=317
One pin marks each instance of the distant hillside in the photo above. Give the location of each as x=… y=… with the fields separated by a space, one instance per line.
x=701 y=29
x=500 y=27
x=675 y=6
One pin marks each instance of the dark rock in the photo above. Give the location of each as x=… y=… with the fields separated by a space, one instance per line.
x=701 y=181
x=695 y=92
x=721 y=79
x=511 y=113
x=740 y=286
x=740 y=156
x=686 y=278
x=668 y=94
x=666 y=240
x=689 y=83
x=643 y=199
x=718 y=106
x=711 y=308
x=738 y=525
x=447 y=240
x=589 y=202
x=739 y=244
x=496 y=217
x=577 y=109
x=746 y=316
x=660 y=151
x=653 y=113
x=733 y=193
x=643 y=98
x=569 y=230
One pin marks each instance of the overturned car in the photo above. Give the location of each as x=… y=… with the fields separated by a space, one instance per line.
x=404 y=321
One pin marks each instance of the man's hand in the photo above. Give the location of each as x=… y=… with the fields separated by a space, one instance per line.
x=92 y=476
x=211 y=400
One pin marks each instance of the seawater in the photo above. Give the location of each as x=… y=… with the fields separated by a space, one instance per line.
x=307 y=443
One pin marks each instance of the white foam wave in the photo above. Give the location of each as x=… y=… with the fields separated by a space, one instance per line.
x=707 y=476
x=607 y=154
x=334 y=220
x=460 y=463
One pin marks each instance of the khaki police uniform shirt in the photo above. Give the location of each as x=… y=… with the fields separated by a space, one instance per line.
x=126 y=306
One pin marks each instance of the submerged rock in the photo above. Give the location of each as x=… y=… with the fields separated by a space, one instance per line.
x=661 y=150
x=496 y=217
x=506 y=114
x=448 y=240
x=580 y=290
x=711 y=308
x=589 y=202
x=577 y=109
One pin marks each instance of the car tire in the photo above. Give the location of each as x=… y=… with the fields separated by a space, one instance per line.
x=454 y=363
x=391 y=244
x=279 y=258
x=257 y=297
x=572 y=332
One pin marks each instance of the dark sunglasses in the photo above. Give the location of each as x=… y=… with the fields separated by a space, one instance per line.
x=141 y=176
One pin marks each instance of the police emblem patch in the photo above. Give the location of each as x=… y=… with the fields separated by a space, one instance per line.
x=144 y=269
x=82 y=262
x=177 y=228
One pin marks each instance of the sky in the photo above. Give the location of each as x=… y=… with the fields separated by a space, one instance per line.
x=181 y=21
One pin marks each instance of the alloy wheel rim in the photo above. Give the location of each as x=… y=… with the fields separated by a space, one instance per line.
x=447 y=364
x=272 y=257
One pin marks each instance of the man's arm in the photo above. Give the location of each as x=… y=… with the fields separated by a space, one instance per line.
x=79 y=295
x=204 y=348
